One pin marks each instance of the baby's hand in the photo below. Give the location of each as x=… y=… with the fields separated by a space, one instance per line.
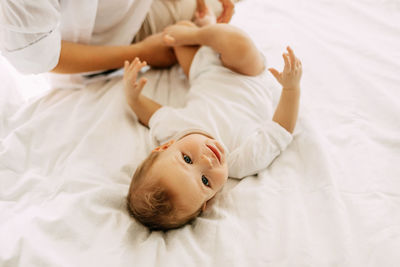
x=133 y=88
x=291 y=75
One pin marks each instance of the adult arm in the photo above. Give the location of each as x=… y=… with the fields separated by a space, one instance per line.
x=75 y=58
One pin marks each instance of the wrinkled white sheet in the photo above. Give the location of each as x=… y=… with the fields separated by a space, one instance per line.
x=331 y=199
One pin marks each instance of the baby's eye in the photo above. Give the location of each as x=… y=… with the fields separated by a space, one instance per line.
x=205 y=181
x=187 y=159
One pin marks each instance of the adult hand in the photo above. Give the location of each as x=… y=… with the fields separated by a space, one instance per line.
x=155 y=52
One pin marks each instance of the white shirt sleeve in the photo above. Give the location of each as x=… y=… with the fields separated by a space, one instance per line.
x=258 y=150
x=30 y=34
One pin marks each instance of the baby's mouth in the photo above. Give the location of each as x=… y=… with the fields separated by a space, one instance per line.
x=216 y=152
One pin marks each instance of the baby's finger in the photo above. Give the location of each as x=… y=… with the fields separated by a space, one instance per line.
x=142 y=64
x=275 y=73
x=287 y=63
x=291 y=57
x=300 y=68
x=133 y=63
x=138 y=65
x=298 y=61
x=126 y=65
x=142 y=82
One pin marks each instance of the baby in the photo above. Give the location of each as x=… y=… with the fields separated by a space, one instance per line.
x=225 y=129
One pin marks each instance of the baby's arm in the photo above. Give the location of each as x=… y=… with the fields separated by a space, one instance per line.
x=287 y=110
x=143 y=106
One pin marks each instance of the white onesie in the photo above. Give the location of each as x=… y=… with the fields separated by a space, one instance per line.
x=235 y=109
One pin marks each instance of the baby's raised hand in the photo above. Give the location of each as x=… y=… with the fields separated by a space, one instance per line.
x=132 y=87
x=291 y=75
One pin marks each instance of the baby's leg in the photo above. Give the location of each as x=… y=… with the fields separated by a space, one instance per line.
x=237 y=50
x=185 y=54
x=164 y=13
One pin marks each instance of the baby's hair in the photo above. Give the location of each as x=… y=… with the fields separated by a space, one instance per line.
x=151 y=204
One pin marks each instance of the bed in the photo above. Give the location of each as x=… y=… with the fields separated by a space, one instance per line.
x=331 y=199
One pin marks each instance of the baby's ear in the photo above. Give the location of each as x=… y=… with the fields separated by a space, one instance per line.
x=164 y=146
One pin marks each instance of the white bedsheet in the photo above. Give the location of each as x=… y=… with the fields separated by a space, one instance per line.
x=331 y=199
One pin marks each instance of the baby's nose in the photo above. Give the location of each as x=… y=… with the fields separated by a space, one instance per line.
x=206 y=160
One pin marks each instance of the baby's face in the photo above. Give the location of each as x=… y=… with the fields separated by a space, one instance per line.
x=194 y=169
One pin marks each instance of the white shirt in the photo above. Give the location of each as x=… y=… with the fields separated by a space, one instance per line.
x=235 y=109
x=31 y=31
